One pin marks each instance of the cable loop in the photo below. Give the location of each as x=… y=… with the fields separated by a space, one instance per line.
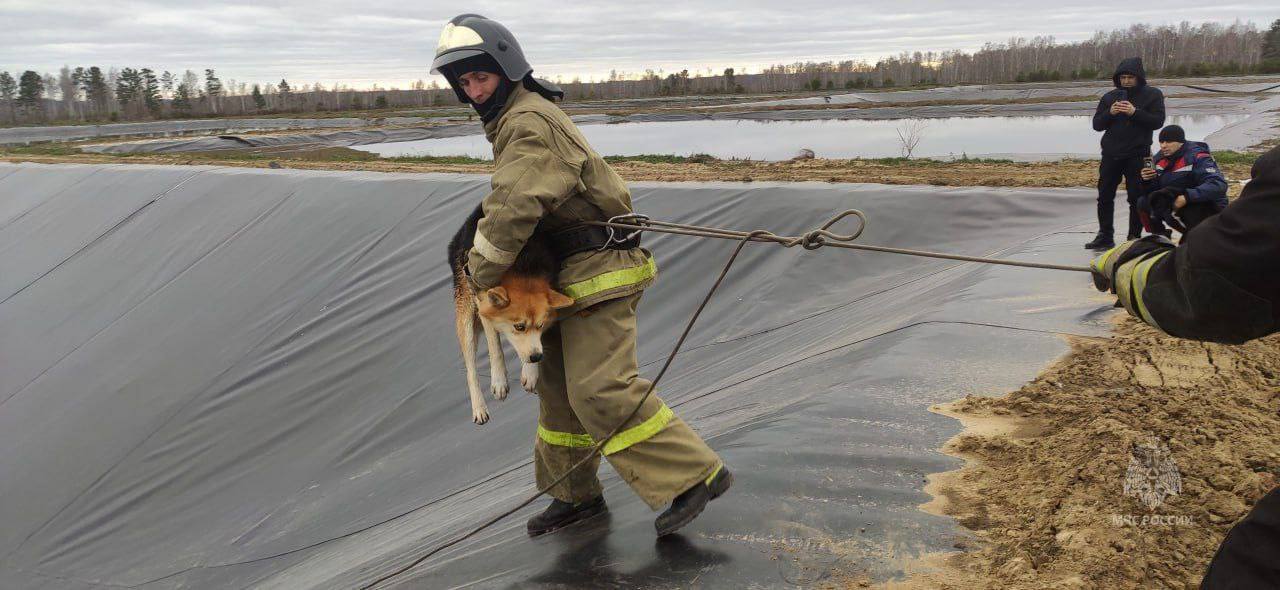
x=636 y=219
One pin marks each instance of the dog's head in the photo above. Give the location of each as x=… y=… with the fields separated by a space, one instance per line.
x=521 y=309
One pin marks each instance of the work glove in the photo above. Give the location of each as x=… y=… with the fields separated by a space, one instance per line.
x=1161 y=204
x=1106 y=266
x=1123 y=271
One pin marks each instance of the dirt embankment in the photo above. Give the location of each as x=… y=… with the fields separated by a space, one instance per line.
x=1044 y=486
x=1066 y=173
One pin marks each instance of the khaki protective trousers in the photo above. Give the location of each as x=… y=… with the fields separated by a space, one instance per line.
x=589 y=381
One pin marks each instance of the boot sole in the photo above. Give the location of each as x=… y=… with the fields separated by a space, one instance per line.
x=577 y=518
x=716 y=492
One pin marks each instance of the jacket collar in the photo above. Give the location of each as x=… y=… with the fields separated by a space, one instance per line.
x=518 y=94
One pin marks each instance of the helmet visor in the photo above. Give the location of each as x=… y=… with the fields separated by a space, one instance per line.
x=455 y=36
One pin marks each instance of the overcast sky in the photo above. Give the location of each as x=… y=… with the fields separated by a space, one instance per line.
x=362 y=43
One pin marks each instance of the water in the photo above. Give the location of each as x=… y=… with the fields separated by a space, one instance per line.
x=1022 y=137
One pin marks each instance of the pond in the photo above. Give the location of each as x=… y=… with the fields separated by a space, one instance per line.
x=1018 y=137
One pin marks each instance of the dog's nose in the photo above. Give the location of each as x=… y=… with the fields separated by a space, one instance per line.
x=535 y=357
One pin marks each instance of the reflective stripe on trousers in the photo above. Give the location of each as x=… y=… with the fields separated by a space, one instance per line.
x=624 y=439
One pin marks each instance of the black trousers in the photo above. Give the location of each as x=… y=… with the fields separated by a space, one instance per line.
x=1194 y=213
x=1110 y=171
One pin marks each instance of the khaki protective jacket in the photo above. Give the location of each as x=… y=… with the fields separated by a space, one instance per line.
x=547 y=178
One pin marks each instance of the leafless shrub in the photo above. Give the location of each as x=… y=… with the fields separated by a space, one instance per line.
x=909 y=135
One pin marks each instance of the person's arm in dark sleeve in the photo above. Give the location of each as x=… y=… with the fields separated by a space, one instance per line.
x=1151 y=117
x=1102 y=115
x=1211 y=185
x=1247 y=556
x=529 y=179
x=1223 y=284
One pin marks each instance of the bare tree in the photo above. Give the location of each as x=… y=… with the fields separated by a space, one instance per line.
x=909 y=135
x=167 y=82
x=70 y=93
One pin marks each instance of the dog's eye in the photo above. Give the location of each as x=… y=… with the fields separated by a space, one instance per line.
x=519 y=327
x=538 y=327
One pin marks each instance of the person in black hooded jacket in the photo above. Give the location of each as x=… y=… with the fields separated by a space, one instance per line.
x=1127 y=116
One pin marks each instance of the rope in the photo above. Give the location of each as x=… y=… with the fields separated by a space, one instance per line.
x=811 y=240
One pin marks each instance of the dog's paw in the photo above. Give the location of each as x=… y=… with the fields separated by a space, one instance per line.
x=529 y=377
x=499 y=390
x=479 y=414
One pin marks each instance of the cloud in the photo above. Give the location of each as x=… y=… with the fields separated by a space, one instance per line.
x=362 y=43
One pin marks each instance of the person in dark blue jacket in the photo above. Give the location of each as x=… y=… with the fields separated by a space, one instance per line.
x=1183 y=188
x=1127 y=116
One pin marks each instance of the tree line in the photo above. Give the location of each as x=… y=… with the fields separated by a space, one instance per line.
x=1168 y=51
x=132 y=94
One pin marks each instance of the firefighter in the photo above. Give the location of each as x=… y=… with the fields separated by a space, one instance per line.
x=548 y=179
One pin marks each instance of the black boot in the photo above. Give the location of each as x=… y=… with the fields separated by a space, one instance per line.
x=562 y=514
x=1101 y=242
x=689 y=504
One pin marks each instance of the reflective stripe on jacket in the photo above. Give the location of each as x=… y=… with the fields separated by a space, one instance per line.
x=1192 y=170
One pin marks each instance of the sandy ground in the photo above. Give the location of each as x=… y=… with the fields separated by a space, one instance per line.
x=1043 y=488
x=1006 y=174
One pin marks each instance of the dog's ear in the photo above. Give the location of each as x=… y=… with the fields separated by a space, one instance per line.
x=498 y=297
x=559 y=300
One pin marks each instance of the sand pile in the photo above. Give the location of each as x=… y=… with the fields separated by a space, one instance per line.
x=1191 y=426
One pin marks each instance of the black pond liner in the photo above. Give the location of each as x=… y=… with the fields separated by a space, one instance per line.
x=231 y=378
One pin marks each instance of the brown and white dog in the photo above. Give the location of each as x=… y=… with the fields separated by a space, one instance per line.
x=520 y=308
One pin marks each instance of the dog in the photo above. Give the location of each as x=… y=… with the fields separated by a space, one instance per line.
x=520 y=308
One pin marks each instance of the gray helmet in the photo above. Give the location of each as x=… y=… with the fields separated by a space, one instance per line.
x=469 y=35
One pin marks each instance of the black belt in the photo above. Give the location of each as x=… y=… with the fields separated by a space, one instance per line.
x=582 y=238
